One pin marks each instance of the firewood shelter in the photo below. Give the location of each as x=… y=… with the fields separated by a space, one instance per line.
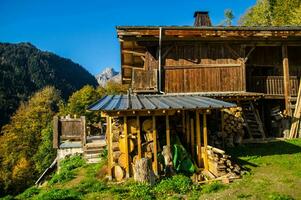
x=139 y=125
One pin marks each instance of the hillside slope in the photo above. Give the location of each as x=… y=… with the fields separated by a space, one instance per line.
x=24 y=69
x=274 y=173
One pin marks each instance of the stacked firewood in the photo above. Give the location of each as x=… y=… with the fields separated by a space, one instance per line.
x=233 y=126
x=220 y=164
x=119 y=145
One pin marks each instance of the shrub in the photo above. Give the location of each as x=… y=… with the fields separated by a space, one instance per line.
x=59 y=194
x=212 y=187
x=28 y=193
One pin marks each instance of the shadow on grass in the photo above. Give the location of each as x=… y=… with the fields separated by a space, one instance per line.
x=265 y=149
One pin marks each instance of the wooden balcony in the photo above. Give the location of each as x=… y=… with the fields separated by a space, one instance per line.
x=272 y=85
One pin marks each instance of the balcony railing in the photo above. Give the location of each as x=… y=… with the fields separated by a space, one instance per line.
x=272 y=85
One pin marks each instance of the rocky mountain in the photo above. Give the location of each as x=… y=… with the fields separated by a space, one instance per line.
x=108 y=74
x=25 y=69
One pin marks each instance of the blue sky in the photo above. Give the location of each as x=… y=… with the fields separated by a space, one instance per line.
x=84 y=31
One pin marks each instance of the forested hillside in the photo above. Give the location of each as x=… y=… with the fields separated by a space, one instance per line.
x=25 y=69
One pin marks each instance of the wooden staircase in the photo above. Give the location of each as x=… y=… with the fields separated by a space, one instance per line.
x=94 y=147
x=253 y=122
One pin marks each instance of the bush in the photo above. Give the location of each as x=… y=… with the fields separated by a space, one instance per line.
x=212 y=187
x=29 y=193
x=177 y=184
x=59 y=194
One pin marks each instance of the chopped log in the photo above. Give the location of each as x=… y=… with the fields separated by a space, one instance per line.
x=118 y=173
x=122 y=160
x=147 y=125
x=122 y=144
x=143 y=171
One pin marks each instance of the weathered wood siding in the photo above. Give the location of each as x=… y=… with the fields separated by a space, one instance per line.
x=203 y=68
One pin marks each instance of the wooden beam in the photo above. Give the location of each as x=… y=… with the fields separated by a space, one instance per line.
x=155 y=165
x=192 y=138
x=197 y=66
x=139 y=138
x=205 y=141
x=167 y=131
x=286 y=80
x=110 y=150
x=133 y=52
x=198 y=139
x=125 y=129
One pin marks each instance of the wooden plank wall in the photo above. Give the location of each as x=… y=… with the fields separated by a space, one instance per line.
x=203 y=68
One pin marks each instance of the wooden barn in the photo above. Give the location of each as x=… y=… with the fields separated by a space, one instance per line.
x=242 y=82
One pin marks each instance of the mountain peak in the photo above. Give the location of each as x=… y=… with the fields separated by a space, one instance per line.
x=108 y=74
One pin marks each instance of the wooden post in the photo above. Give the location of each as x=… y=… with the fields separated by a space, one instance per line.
x=56 y=141
x=192 y=138
x=155 y=146
x=286 y=80
x=183 y=122
x=205 y=141
x=109 y=140
x=198 y=138
x=84 y=134
x=187 y=129
x=223 y=127
x=139 y=138
x=125 y=129
x=167 y=131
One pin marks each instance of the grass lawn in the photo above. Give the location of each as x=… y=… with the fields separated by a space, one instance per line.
x=274 y=172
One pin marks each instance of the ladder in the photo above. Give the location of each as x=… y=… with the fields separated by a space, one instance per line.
x=252 y=119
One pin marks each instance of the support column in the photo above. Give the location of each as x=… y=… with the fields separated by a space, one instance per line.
x=286 y=80
x=139 y=138
x=205 y=141
x=125 y=129
x=187 y=129
x=110 y=153
x=198 y=138
x=192 y=138
x=155 y=165
x=167 y=131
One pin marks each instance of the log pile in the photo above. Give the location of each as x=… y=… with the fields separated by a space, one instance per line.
x=232 y=129
x=119 y=145
x=220 y=164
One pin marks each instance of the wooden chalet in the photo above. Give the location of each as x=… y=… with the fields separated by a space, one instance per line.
x=177 y=74
x=232 y=63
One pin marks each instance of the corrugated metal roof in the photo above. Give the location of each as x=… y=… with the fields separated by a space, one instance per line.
x=154 y=102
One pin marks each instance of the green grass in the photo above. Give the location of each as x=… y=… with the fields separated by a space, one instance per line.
x=274 y=173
